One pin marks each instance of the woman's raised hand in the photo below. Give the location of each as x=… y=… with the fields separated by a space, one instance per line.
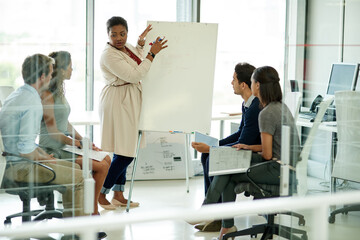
x=142 y=36
x=158 y=45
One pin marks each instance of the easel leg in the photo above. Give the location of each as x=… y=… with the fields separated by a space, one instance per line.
x=133 y=172
x=187 y=161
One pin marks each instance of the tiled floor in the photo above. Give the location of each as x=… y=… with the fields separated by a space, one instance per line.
x=171 y=194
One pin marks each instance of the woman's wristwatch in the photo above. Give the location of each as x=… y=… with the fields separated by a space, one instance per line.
x=151 y=54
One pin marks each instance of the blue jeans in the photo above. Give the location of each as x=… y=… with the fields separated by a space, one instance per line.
x=116 y=176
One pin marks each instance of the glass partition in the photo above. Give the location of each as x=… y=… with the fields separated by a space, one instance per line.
x=320 y=88
x=37 y=178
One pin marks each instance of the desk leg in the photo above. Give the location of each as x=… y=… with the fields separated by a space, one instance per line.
x=133 y=172
x=187 y=161
x=89 y=130
x=221 y=129
x=332 y=161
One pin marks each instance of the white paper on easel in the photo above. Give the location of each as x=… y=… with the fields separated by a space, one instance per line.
x=96 y=155
x=228 y=160
x=162 y=158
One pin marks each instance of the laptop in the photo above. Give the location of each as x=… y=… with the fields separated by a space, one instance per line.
x=228 y=160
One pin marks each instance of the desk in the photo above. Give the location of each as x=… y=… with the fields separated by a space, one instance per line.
x=222 y=121
x=326 y=126
x=87 y=118
x=90 y=118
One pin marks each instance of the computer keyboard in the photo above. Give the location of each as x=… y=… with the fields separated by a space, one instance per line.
x=312 y=115
x=307 y=115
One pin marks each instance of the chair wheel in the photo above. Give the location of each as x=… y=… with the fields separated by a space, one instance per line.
x=346 y=213
x=301 y=222
x=332 y=219
x=7 y=221
x=253 y=235
x=304 y=237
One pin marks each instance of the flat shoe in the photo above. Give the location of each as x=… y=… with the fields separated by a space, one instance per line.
x=108 y=206
x=120 y=204
x=201 y=222
x=214 y=226
x=199 y=226
x=101 y=235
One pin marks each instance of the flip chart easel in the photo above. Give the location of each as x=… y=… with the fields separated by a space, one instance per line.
x=180 y=76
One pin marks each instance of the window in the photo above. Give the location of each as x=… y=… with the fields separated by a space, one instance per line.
x=249 y=31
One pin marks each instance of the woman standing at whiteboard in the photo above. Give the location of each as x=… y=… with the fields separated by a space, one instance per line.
x=120 y=103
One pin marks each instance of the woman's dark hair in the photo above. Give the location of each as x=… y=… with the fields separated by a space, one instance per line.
x=269 y=80
x=116 y=21
x=62 y=62
x=243 y=72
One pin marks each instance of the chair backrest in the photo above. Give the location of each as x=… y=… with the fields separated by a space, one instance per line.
x=347 y=163
x=2 y=160
x=4 y=93
x=293 y=101
x=301 y=166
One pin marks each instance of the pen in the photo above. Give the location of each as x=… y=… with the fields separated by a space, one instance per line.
x=154 y=42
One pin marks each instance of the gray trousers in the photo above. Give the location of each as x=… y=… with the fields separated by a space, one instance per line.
x=224 y=185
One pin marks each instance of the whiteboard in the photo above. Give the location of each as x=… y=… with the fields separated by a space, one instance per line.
x=178 y=89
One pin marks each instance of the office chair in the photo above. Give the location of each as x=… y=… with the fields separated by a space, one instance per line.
x=270 y=228
x=26 y=191
x=347 y=164
x=261 y=191
x=4 y=93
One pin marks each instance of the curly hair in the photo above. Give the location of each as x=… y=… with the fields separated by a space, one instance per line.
x=62 y=61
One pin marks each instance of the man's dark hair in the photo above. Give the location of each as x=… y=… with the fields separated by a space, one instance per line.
x=243 y=72
x=116 y=21
x=34 y=66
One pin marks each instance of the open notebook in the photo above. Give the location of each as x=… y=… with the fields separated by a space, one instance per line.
x=228 y=160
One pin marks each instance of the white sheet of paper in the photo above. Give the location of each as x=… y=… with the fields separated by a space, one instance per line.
x=228 y=160
x=211 y=141
x=96 y=155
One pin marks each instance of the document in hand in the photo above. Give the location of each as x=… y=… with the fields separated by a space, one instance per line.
x=211 y=141
x=96 y=155
x=228 y=160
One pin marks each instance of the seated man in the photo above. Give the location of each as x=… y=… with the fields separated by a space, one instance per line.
x=248 y=132
x=20 y=119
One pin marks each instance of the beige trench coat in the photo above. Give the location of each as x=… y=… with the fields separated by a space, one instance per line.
x=120 y=105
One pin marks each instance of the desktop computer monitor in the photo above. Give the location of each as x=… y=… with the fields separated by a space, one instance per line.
x=294 y=86
x=343 y=76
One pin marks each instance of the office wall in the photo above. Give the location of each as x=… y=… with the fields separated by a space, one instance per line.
x=322 y=45
x=352 y=31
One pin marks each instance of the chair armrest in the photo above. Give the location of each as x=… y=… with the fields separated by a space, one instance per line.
x=32 y=162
